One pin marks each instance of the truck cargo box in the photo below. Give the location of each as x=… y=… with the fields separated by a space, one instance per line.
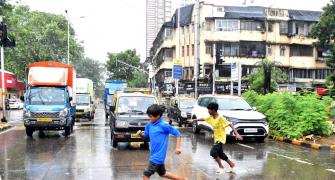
x=49 y=73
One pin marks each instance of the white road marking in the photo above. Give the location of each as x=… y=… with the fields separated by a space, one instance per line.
x=9 y=129
x=291 y=158
x=250 y=147
x=331 y=170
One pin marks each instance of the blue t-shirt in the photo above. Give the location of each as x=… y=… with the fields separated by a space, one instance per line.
x=158 y=132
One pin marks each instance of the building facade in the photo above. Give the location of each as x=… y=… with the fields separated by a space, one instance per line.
x=157 y=12
x=244 y=34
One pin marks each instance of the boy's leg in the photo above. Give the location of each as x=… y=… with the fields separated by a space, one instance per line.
x=224 y=157
x=150 y=170
x=162 y=172
x=169 y=175
x=215 y=153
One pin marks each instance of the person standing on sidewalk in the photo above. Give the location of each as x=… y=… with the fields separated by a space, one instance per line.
x=219 y=125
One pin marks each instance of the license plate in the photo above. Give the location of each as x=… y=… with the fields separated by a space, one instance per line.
x=44 y=120
x=135 y=136
x=250 y=130
x=78 y=113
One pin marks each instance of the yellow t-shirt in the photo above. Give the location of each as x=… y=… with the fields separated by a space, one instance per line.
x=219 y=126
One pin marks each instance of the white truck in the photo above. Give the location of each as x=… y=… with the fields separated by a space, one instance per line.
x=85 y=99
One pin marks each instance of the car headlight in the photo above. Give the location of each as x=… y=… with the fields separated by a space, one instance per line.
x=184 y=114
x=121 y=124
x=232 y=120
x=63 y=113
x=265 y=121
x=26 y=113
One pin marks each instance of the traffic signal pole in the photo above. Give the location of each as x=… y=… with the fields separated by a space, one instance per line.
x=3 y=88
x=196 y=47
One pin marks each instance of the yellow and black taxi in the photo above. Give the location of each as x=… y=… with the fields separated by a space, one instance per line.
x=128 y=116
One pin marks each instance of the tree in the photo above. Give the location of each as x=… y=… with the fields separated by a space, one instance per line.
x=324 y=31
x=5 y=8
x=265 y=78
x=39 y=36
x=139 y=81
x=92 y=69
x=120 y=71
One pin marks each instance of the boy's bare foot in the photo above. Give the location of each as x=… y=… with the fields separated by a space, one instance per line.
x=219 y=171
x=231 y=164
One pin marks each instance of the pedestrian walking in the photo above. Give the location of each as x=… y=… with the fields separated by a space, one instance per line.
x=219 y=125
x=158 y=130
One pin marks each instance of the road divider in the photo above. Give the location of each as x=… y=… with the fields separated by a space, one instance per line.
x=303 y=143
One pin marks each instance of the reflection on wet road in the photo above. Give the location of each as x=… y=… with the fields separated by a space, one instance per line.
x=88 y=154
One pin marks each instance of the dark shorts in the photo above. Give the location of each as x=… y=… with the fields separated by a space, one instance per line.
x=217 y=151
x=152 y=168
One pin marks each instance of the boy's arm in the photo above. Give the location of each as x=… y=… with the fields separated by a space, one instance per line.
x=171 y=130
x=238 y=136
x=178 y=151
x=200 y=119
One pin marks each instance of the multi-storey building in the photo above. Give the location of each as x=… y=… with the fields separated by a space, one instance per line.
x=241 y=34
x=157 y=12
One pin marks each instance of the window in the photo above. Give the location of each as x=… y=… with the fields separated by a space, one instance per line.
x=168 y=32
x=226 y=25
x=269 y=48
x=230 y=49
x=182 y=51
x=283 y=27
x=300 y=29
x=282 y=50
x=208 y=25
x=187 y=50
x=208 y=48
x=192 y=49
x=301 y=50
x=252 y=49
x=168 y=53
x=252 y=25
x=168 y=73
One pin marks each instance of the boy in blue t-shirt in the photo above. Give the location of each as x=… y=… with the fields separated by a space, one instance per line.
x=157 y=130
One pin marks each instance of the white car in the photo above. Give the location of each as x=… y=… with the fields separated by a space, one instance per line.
x=15 y=104
x=247 y=121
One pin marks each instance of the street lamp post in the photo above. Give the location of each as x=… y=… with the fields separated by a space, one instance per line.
x=68 y=37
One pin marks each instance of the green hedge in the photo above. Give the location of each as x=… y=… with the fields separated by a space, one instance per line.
x=293 y=116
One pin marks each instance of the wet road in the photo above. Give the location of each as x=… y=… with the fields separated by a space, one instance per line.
x=88 y=154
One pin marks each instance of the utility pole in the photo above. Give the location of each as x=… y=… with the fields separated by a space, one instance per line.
x=213 y=72
x=68 y=37
x=178 y=47
x=196 y=47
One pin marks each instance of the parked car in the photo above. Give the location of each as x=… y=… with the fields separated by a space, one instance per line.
x=15 y=104
x=247 y=121
x=180 y=110
x=128 y=115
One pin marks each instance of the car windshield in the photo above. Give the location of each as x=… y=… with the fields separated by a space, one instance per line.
x=187 y=103
x=46 y=96
x=233 y=104
x=83 y=99
x=137 y=104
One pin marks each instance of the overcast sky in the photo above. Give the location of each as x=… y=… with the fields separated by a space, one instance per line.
x=117 y=25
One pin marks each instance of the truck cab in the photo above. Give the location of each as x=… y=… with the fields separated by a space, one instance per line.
x=112 y=87
x=85 y=99
x=49 y=102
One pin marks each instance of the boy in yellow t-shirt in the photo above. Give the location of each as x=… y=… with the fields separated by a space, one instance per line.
x=219 y=125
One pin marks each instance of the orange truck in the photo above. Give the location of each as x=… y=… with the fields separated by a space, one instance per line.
x=49 y=102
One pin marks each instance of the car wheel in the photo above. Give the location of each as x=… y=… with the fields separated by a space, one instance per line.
x=260 y=139
x=195 y=128
x=106 y=117
x=170 y=121
x=180 y=122
x=114 y=141
x=145 y=145
x=29 y=132
x=67 y=131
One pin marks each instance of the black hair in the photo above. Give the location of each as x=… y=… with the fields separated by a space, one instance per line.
x=213 y=106
x=155 y=110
